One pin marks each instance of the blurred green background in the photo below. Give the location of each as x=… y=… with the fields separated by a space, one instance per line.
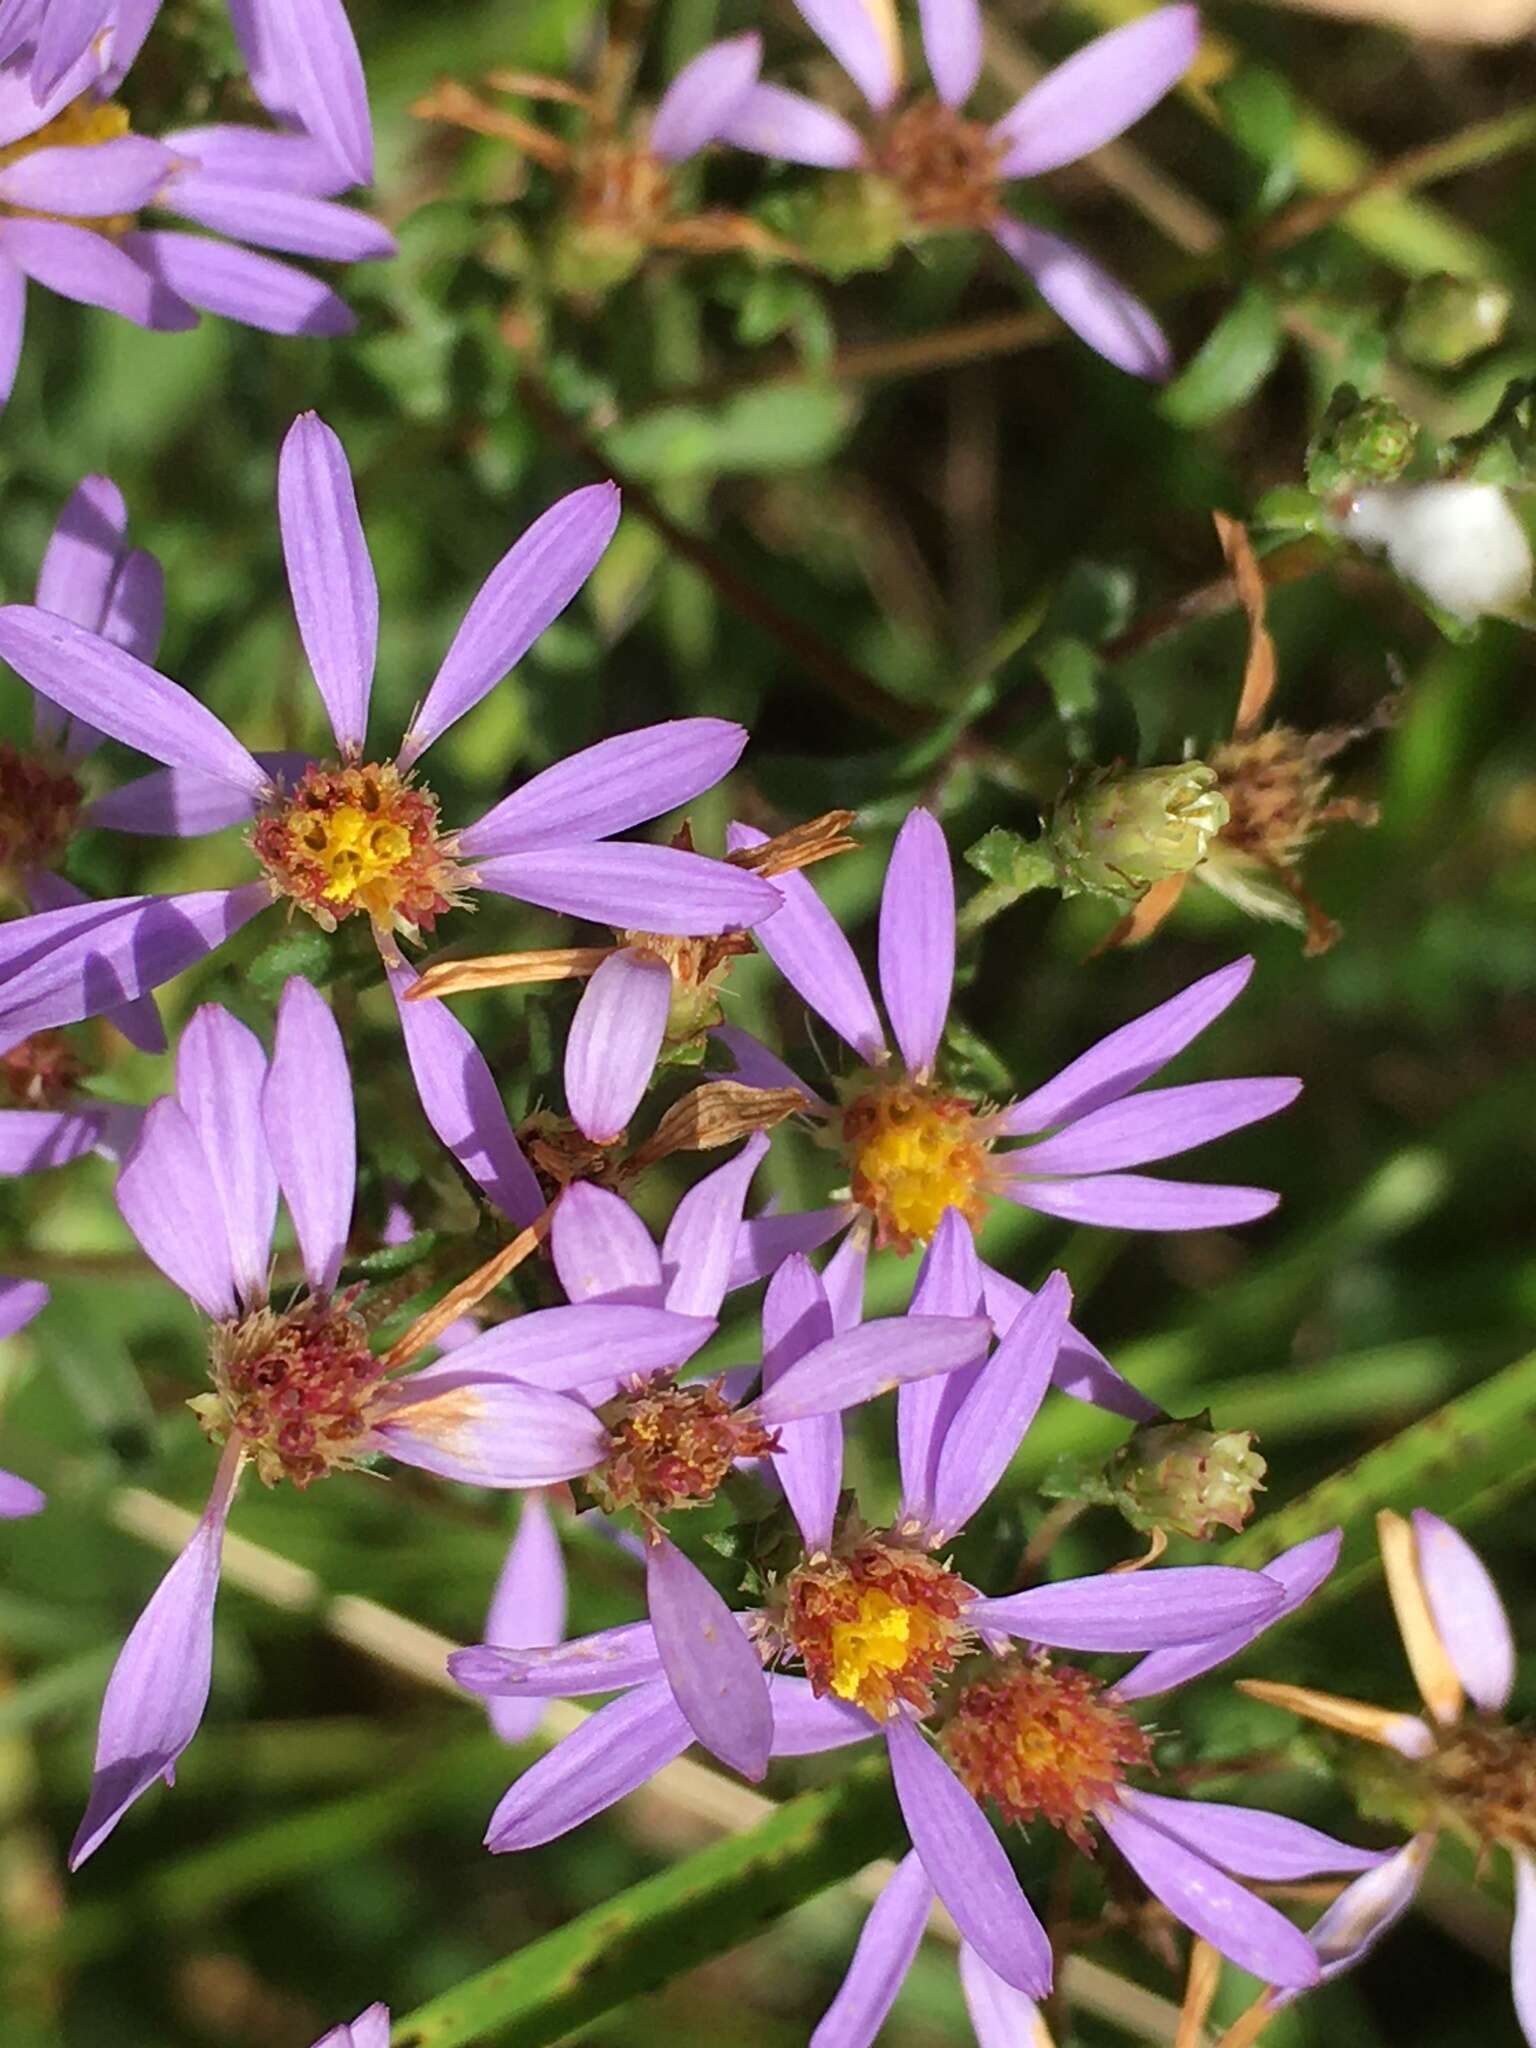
x=927 y=515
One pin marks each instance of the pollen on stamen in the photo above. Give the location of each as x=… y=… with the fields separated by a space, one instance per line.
x=1040 y=1741
x=879 y=1627
x=673 y=1447
x=360 y=841
x=913 y=1153
x=295 y=1388
x=40 y=800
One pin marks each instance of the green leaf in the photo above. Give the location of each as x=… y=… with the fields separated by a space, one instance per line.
x=302 y=950
x=1260 y=112
x=669 y=1923
x=779 y=426
x=1230 y=364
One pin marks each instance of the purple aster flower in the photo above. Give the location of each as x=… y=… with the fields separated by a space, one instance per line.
x=669 y=1447
x=915 y=1149
x=76 y=179
x=879 y=1625
x=1471 y=1772
x=948 y=172
x=20 y=1301
x=361 y=836
x=297 y=1391
x=369 y=2030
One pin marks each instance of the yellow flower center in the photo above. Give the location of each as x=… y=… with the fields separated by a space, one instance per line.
x=873 y=1638
x=913 y=1154
x=359 y=840
x=877 y=1627
x=83 y=123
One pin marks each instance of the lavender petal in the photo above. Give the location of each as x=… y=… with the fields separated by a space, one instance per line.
x=1113 y=322
x=81 y=560
x=1081 y=1369
x=1522 y=1953
x=765 y=1242
x=88 y=180
x=527 y=1608
x=1000 y=2016
x=615 y=1038
x=797 y=1320
x=1129 y=1056
x=158 y=1690
x=965 y=1863
x=1236 y=1924
x=13 y=322
x=80 y=264
x=19 y=1498
x=917 y=939
x=637 y=888
x=258 y=291
x=605 y=1662
x=807 y=945
x=864 y=38
x=887 y=1944
x=1097 y=93
x=1468 y=1614
x=610 y=787
x=90 y=678
x=700 y=1244
x=170 y=1201
x=787 y=127
x=305 y=68
x=952 y=45
x=1298 y=1572
x=806 y=1726
x=997 y=1408
x=528 y=589
x=33 y=1140
x=702 y=96
x=488 y=1432
x=1118 y=1611
x=460 y=1099
x=858 y=1364
x=296 y=223
x=307 y=1113
x=1140 y=1201
x=220 y=1072
x=1364 y=1910
x=1157 y=1126
x=20 y=1301
x=1247 y=1842
x=562 y=1348
x=713 y=1669
x=335 y=592
x=602 y=1251
x=610 y=1755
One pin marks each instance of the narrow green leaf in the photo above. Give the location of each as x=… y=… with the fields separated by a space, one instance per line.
x=669 y=1923
x=1230 y=364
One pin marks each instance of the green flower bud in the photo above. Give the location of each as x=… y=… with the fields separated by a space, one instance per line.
x=1124 y=829
x=1444 y=321
x=590 y=261
x=1185 y=1478
x=1360 y=441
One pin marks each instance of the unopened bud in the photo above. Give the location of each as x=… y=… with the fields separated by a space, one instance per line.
x=1185 y=1478
x=849 y=222
x=1122 y=830
x=1360 y=441
x=589 y=261
x=1444 y=321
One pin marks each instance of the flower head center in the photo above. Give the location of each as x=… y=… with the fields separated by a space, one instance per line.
x=1275 y=785
x=1485 y=1773
x=83 y=124
x=673 y=1447
x=914 y=1153
x=879 y=1627
x=359 y=839
x=42 y=1072
x=40 y=802
x=1040 y=1741
x=944 y=167
x=296 y=1389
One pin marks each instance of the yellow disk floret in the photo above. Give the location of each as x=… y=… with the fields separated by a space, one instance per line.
x=359 y=840
x=914 y=1153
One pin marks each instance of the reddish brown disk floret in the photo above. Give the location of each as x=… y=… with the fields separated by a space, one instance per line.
x=944 y=167
x=622 y=189
x=296 y=1389
x=1484 y=1773
x=40 y=803
x=673 y=1447
x=42 y=1072
x=879 y=1627
x=1040 y=1741
x=365 y=839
